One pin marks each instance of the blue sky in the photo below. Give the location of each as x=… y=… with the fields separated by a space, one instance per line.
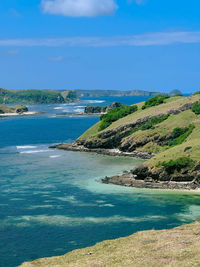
x=100 y=44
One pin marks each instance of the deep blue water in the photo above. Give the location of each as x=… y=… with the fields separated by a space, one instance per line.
x=51 y=201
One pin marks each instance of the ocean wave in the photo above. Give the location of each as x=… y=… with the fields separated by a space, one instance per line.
x=95 y=101
x=25 y=147
x=80 y=107
x=33 y=151
x=78 y=110
x=58 y=108
x=54 y=156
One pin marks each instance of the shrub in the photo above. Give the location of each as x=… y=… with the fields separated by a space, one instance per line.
x=196 y=108
x=150 y=124
x=197 y=93
x=176 y=165
x=115 y=114
x=155 y=101
x=94 y=109
x=180 y=135
x=153 y=121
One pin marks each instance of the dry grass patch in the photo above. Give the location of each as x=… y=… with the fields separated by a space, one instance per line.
x=176 y=247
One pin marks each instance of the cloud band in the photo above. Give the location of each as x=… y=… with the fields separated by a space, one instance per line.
x=147 y=39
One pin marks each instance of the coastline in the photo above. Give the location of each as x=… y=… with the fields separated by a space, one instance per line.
x=19 y=114
x=128 y=179
x=102 y=151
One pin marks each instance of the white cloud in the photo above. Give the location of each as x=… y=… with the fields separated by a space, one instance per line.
x=79 y=8
x=146 y=39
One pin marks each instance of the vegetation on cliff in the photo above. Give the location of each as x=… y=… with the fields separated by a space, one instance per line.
x=115 y=114
x=196 y=108
x=89 y=109
x=155 y=101
x=175 y=247
x=36 y=96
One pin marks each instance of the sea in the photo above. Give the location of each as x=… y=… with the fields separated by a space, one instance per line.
x=52 y=201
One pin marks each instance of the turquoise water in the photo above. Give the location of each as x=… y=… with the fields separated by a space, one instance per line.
x=51 y=201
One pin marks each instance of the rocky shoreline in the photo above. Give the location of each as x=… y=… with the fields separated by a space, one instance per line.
x=128 y=180
x=141 y=176
x=103 y=151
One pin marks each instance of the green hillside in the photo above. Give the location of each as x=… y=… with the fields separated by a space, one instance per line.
x=164 y=129
x=36 y=96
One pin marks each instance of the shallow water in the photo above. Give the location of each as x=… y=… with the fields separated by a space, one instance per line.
x=51 y=201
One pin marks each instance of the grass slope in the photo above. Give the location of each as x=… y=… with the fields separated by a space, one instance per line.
x=176 y=247
x=171 y=103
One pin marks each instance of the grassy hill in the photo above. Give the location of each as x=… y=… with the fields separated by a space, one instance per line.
x=165 y=129
x=176 y=247
x=36 y=96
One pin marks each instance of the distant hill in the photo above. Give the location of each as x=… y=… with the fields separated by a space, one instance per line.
x=36 y=96
x=175 y=92
x=102 y=93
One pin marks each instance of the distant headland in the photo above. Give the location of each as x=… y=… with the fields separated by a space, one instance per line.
x=164 y=130
x=33 y=96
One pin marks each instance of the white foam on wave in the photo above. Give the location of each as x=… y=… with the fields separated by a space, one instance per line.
x=78 y=110
x=25 y=147
x=79 y=106
x=95 y=101
x=55 y=156
x=34 y=151
x=58 y=108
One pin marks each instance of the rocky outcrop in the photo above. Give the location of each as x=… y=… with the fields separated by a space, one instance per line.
x=109 y=152
x=16 y=109
x=101 y=109
x=157 y=178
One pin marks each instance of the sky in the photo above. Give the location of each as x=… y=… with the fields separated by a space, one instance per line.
x=100 y=44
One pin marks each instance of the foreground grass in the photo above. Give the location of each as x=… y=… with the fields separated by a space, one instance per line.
x=176 y=247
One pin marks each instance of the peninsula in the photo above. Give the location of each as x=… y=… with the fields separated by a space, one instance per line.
x=164 y=130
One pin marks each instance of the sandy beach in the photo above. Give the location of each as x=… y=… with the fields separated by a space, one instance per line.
x=18 y=114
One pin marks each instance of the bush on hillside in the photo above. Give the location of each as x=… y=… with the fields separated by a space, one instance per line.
x=196 y=108
x=197 y=93
x=179 y=135
x=115 y=114
x=176 y=165
x=152 y=122
x=155 y=101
